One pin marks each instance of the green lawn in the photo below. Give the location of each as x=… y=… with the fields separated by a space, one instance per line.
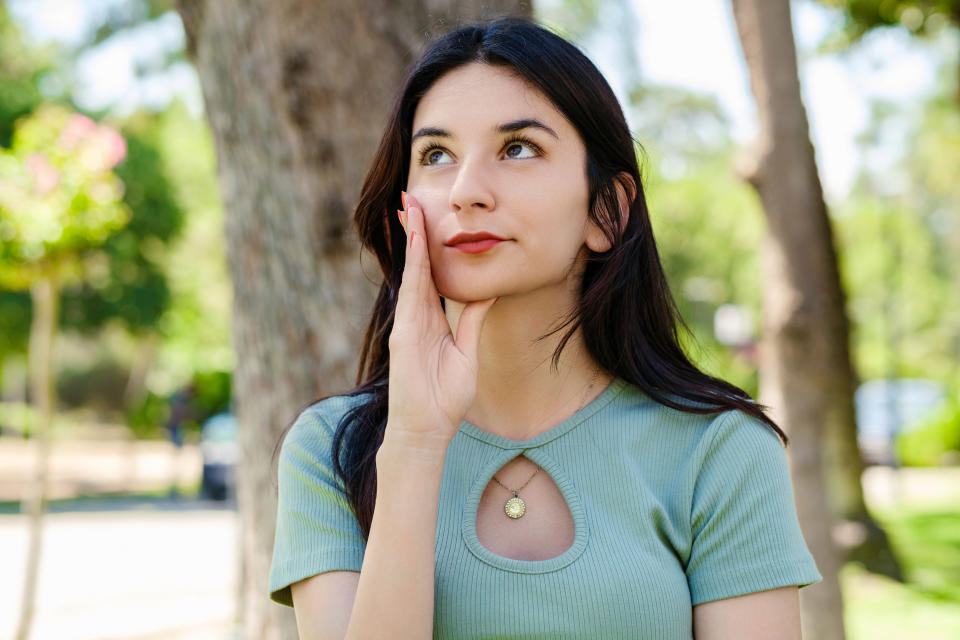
x=926 y=540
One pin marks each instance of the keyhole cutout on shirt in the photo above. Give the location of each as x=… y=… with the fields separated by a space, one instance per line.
x=546 y=529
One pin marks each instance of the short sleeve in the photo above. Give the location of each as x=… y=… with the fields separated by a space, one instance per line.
x=316 y=528
x=745 y=533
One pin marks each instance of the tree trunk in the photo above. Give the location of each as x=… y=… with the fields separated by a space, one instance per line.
x=297 y=93
x=45 y=297
x=806 y=374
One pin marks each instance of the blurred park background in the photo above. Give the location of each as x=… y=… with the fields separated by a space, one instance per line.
x=113 y=251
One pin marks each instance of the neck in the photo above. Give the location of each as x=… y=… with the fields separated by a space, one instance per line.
x=519 y=393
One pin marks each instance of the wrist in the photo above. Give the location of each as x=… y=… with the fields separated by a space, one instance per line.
x=417 y=448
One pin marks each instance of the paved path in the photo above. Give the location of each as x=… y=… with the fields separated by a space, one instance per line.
x=79 y=467
x=150 y=572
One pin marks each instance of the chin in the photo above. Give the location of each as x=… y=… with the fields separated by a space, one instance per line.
x=465 y=292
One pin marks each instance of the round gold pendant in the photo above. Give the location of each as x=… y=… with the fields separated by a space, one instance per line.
x=515 y=508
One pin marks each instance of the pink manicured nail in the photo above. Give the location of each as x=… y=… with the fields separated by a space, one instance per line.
x=403 y=199
x=400 y=215
x=411 y=238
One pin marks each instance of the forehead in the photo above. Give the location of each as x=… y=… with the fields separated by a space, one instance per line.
x=480 y=92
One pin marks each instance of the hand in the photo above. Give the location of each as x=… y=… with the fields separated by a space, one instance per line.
x=433 y=375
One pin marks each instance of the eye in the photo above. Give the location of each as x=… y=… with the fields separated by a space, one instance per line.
x=433 y=156
x=521 y=148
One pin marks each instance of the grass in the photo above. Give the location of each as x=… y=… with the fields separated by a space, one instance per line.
x=926 y=540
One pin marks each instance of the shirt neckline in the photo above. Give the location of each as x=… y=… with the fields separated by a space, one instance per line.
x=468 y=522
x=616 y=386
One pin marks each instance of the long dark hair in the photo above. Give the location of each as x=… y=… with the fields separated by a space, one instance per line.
x=629 y=320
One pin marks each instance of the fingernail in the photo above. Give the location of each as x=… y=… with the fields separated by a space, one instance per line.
x=400 y=215
x=403 y=198
x=411 y=238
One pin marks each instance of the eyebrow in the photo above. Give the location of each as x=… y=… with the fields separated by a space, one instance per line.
x=507 y=127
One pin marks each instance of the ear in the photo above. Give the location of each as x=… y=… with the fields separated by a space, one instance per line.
x=626 y=188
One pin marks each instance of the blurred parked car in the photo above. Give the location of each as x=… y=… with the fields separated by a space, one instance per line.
x=888 y=407
x=221 y=451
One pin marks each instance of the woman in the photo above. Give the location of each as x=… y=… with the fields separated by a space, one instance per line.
x=530 y=454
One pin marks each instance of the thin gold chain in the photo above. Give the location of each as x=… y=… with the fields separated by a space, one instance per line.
x=516 y=491
x=596 y=374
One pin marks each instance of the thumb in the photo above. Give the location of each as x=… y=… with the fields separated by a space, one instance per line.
x=469 y=326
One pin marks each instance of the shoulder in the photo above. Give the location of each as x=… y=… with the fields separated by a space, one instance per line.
x=690 y=442
x=316 y=424
x=676 y=425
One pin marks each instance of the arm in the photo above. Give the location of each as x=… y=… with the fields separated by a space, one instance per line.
x=432 y=384
x=765 y=615
x=394 y=589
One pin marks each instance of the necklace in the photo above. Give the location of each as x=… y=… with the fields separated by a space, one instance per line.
x=515 y=507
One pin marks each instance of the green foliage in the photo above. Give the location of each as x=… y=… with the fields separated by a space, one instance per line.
x=923 y=524
x=708 y=223
x=99 y=386
x=898 y=298
x=16 y=418
x=212 y=392
x=921 y=17
x=21 y=70
x=147 y=416
x=899 y=249
x=125 y=278
x=15 y=319
x=58 y=193
x=211 y=396
x=196 y=327
x=935 y=441
x=574 y=19
x=709 y=228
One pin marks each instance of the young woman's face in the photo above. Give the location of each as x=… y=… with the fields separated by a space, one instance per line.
x=491 y=154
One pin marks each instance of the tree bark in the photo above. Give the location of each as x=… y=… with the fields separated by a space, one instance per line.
x=45 y=298
x=297 y=93
x=806 y=373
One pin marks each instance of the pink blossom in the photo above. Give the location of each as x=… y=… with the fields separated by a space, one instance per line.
x=115 y=144
x=45 y=176
x=77 y=128
x=103 y=150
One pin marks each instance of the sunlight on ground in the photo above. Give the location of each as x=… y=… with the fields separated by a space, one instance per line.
x=923 y=523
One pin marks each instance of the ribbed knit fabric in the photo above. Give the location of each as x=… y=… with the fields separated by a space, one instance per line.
x=671 y=509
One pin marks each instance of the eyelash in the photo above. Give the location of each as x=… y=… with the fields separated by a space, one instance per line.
x=512 y=140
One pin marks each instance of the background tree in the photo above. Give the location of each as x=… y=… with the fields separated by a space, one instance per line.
x=125 y=280
x=297 y=93
x=806 y=375
x=21 y=69
x=58 y=198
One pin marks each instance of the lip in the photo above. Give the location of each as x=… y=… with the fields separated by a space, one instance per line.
x=477 y=242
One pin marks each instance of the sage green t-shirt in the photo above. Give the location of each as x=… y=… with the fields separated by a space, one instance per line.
x=670 y=508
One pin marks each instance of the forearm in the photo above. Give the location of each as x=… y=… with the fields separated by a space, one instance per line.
x=394 y=596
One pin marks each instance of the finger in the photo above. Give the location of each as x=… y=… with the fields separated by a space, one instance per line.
x=416 y=229
x=470 y=325
x=416 y=287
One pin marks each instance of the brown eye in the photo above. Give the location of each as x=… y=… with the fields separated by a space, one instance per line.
x=517 y=148
x=433 y=156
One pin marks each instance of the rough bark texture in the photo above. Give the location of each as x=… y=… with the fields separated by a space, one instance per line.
x=297 y=93
x=806 y=373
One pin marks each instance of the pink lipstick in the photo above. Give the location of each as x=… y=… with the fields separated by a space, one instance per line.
x=474 y=242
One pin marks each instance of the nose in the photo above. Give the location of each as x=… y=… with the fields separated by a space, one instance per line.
x=472 y=189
